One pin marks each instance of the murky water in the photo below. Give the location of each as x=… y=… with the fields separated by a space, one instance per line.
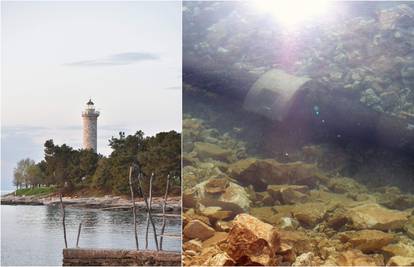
x=33 y=235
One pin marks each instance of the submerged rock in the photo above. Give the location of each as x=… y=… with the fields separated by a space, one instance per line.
x=231 y=197
x=252 y=242
x=262 y=172
x=401 y=261
x=288 y=194
x=309 y=214
x=399 y=249
x=367 y=240
x=357 y=258
x=198 y=229
x=305 y=259
x=207 y=150
x=346 y=185
x=374 y=216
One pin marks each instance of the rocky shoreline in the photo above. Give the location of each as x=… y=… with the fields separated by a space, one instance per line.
x=105 y=203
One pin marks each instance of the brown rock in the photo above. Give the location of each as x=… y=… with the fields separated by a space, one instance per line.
x=345 y=185
x=189 y=200
x=216 y=213
x=299 y=241
x=367 y=240
x=262 y=172
x=288 y=194
x=374 y=216
x=194 y=245
x=357 y=258
x=264 y=198
x=207 y=150
x=309 y=214
x=216 y=185
x=234 y=198
x=401 y=261
x=220 y=259
x=251 y=241
x=399 y=249
x=198 y=229
x=222 y=226
x=215 y=239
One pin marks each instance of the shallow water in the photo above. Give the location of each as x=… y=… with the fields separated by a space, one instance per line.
x=33 y=235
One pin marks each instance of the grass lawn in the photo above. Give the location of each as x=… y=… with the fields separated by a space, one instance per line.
x=35 y=191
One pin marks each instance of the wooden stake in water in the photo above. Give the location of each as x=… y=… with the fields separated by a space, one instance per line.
x=150 y=205
x=62 y=208
x=133 y=207
x=149 y=212
x=164 y=204
x=79 y=231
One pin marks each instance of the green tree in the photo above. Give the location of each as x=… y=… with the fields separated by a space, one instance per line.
x=161 y=155
x=22 y=175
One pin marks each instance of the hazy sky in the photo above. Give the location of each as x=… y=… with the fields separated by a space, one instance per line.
x=126 y=56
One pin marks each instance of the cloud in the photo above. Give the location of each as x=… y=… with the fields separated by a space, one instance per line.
x=116 y=59
x=173 y=88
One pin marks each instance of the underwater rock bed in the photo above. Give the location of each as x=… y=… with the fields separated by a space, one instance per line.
x=307 y=213
x=259 y=191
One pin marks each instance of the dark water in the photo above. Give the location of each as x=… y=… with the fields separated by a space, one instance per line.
x=33 y=235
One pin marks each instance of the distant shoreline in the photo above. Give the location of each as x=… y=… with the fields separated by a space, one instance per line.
x=105 y=203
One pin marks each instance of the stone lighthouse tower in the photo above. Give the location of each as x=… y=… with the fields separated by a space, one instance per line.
x=90 y=123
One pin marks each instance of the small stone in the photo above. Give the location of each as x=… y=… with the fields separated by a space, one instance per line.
x=287 y=223
x=198 y=229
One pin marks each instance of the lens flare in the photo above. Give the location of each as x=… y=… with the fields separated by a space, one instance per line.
x=293 y=13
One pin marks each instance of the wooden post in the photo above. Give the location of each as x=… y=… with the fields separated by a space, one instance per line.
x=149 y=212
x=164 y=204
x=62 y=208
x=150 y=205
x=133 y=207
x=79 y=231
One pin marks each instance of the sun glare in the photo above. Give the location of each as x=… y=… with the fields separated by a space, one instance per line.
x=293 y=13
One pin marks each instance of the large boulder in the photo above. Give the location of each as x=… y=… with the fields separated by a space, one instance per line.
x=252 y=242
x=197 y=229
x=374 y=216
x=262 y=172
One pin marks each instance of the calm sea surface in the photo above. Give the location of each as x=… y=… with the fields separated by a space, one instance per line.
x=33 y=235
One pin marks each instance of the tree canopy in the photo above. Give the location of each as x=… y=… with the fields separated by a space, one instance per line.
x=70 y=169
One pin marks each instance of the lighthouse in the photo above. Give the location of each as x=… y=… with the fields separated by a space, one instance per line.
x=90 y=126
